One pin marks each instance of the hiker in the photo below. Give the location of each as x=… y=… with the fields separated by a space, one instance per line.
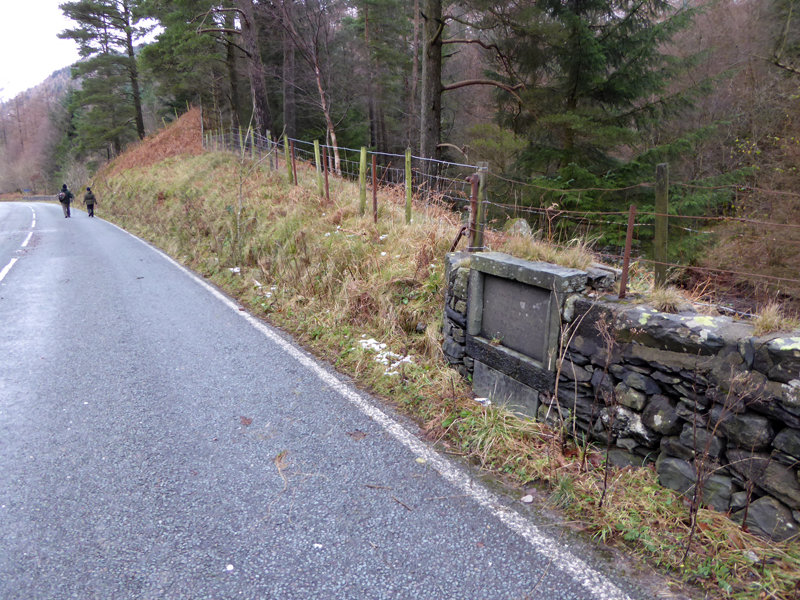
x=65 y=197
x=89 y=200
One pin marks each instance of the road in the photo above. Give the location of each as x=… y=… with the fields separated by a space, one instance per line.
x=158 y=442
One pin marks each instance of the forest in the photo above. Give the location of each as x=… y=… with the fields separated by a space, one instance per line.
x=572 y=103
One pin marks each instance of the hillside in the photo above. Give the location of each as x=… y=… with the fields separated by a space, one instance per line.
x=342 y=285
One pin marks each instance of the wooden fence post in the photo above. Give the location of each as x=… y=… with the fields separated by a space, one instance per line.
x=374 y=188
x=661 y=227
x=294 y=162
x=474 y=181
x=325 y=172
x=250 y=134
x=409 y=184
x=362 y=182
x=319 y=168
x=241 y=141
x=288 y=158
x=483 y=173
x=623 y=282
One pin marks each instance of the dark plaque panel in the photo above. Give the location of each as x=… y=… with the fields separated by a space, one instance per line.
x=517 y=314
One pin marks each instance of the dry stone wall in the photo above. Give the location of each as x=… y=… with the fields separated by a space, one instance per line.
x=712 y=405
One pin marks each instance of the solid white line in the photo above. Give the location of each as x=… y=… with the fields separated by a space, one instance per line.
x=7 y=268
x=595 y=582
x=27 y=239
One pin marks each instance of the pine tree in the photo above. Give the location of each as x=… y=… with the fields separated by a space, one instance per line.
x=595 y=75
x=106 y=34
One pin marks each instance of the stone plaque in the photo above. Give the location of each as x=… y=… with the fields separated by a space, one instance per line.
x=516 y=315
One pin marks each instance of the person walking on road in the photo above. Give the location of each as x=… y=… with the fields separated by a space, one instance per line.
x=65 y=197
x=89 y=200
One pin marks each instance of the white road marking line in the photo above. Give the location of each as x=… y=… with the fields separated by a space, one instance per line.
x=7 y=268
x=27 y=239
x=595 y=582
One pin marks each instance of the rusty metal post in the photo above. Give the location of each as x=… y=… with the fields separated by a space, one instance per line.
x=473 y=211
x=374 y=188
x=623 y=282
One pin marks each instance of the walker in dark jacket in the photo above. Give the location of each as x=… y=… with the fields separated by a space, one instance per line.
x=89 y=200
x=65 y=197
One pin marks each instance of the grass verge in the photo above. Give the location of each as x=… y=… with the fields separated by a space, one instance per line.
x=343 y=285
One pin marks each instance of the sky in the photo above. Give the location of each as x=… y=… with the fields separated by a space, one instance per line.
x=29 y=48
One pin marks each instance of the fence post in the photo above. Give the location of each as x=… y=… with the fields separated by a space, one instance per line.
x=362 y=182
x=623 y=282
x=474 y=180
x=251 y=135
x=662 y=219
x=269 y=149
x=319 y=169
x=294 y=162
x=288 y=158
x=481 y=209
x=409 y=184
x=325 y=171
x=374 y=188
x=241 y=141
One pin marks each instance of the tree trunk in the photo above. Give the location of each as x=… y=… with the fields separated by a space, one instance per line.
x=133 y=70
x=413 y=107
x=289 y=101
x=431 y=101
x=233 y=73
x=255 y=68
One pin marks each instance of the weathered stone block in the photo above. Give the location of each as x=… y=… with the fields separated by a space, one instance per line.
x=671 y=446
x=503 y=390
x=461 y=284
x=774 y=478
x=630 y=397
x=543 y=275
x=512 y=364
x=746 y=430
x=572 y=372
x=676 y=474
x=788 y=441
x=624 y=423
x=454 y=350
x=702 y=441
x=641 y=382
x=661 y=416
x=769 y=518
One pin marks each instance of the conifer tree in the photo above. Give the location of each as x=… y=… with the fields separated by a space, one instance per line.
x=106 y=33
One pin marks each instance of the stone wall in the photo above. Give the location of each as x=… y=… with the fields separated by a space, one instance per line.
x=688 y=392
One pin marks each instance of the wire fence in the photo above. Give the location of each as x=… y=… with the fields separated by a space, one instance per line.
x=564 y=214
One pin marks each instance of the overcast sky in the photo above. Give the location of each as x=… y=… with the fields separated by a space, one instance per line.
x=29 y=48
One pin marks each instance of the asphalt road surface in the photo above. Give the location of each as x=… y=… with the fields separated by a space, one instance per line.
x=157 y=442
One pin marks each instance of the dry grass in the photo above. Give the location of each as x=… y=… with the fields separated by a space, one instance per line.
x=771 y=319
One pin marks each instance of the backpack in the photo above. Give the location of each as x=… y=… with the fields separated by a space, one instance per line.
x=62 y=196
